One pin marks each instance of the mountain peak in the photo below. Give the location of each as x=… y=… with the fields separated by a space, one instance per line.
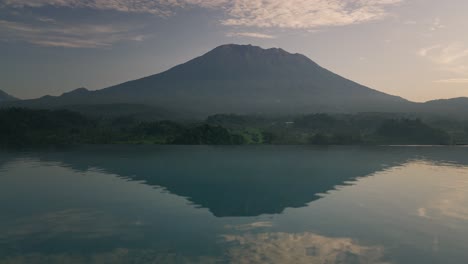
x=77 y=91
x=249 y=48
x=237 y=49
x=233 y=62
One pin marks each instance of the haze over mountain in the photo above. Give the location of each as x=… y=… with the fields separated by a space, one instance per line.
x=246 y=79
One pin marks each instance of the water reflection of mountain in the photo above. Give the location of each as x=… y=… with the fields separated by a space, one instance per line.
x=245 y=181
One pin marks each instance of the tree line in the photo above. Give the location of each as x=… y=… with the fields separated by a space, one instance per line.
x=20 y=127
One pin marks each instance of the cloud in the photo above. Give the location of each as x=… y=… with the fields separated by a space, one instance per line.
x=297 y=14
x=410 y=22
x=454 y=80
x=436 y=24
x=203 y=3
x=138 y=6
x=243 y=15
x=305 y=14
x=155 y=7
x=452 y=57
x=423 y=52
x=250 y=35
x=447 y=54
x=54 y=34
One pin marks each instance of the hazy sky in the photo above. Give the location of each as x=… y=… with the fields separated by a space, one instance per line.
x=417 y=49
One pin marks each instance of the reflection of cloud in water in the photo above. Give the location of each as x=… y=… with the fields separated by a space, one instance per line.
x=451 y=200
x=422 y=212
x=117 y=256
x=249 y=248
x=453 y=204
x=299 y=248
x=79 y=223
x=254 y=225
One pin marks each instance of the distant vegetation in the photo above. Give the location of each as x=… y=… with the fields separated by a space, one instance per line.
x=20 y=127
x=26 y=127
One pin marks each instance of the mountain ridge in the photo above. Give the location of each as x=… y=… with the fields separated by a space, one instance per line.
x=258 y=80
x=5 y=97
x=245 y=79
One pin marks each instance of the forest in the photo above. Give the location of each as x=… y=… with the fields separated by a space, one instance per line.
x=21 y=127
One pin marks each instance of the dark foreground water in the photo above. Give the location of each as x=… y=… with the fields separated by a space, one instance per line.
x=271 y=204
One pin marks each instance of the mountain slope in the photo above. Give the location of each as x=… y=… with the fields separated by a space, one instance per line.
x=4 y=97
x=241 y=79
x=236 y=78
x=454 y=107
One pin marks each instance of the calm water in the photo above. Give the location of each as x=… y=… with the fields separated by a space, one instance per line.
x=271 y=204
